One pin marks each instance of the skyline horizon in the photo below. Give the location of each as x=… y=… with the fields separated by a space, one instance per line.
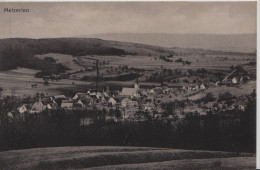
x=80 y=36
x=72 y=19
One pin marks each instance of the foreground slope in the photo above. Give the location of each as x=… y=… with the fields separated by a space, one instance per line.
x=112 y=157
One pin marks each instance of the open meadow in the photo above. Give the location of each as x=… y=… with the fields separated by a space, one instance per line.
x=18 y=82
x=119 y=157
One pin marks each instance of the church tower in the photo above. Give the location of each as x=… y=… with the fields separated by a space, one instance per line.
x=137 y=85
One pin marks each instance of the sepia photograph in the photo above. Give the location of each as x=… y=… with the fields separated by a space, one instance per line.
x=128 y=85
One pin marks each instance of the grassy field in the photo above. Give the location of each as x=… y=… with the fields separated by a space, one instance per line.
x=213 y=164
x=18 y=82
x=244 y=89
x=210 y=62
x=112 y=157
x=66 y=60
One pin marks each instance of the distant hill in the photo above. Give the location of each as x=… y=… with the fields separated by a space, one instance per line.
x=20 y=52
x=236 y=42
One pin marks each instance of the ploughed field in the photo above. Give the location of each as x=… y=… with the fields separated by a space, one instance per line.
x=116 y=157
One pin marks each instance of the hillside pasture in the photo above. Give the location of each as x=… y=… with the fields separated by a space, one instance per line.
x=213 y=163
x=68 y=61
x=244 y=89
x=112 y=157
x=23 y=71
x=19 y=82
x=81 y=66
x=151 y=64
x=197 y=61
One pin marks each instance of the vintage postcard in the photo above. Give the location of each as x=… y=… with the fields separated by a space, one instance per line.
x=128 y=85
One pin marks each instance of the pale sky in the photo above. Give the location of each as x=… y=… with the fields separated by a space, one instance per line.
x=47 y=20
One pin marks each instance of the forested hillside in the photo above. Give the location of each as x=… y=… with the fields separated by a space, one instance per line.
x=20 y=52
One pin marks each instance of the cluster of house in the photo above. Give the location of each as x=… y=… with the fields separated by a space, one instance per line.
x=194 y=87
x=234 y=79
x=128 y=101
x=239 y=104
x=227 y=81
x=92 y=99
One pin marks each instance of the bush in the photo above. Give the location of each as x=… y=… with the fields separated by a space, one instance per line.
x=225 y=96
x=185 y=81
x=209 y=97
x=179 y=60
x=42 y=74
x=49 y=59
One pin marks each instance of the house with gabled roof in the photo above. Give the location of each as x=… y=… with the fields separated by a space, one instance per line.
x=49 y=103
x=112 y=101
x=68 y=104
x=22 y=109
x=149 y=107
x=202 y=86
x=234 y=80
x=241 y=105
x=166 y=90
x=79 y=96
x=151 y=91
x=105 y=94
x=126 y=102
x=37 y=107
x=82 y=103
x=60 y=97
x=95 y=95
x=10 y=115
x=196 y=87
x=128 y=92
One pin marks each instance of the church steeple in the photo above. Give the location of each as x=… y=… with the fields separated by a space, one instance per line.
x=137 y=84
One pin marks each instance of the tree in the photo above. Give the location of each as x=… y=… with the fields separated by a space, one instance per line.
x=209 y=97
x=190 y=72
x=187 y=62
x=1 y=89
x=179 y=60
x=49 y=59
x=232 y=67
x=185 y=81
x=240 y=68
x=225 y=96
x=170 y=72
x=46 y=82
x=118 y=114
x=11 y=57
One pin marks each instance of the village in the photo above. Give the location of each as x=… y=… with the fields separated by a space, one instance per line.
x=159 y=93
x=128 y=85
x=141 y=104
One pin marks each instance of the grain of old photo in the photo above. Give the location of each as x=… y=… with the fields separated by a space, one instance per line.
x=128 y=85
